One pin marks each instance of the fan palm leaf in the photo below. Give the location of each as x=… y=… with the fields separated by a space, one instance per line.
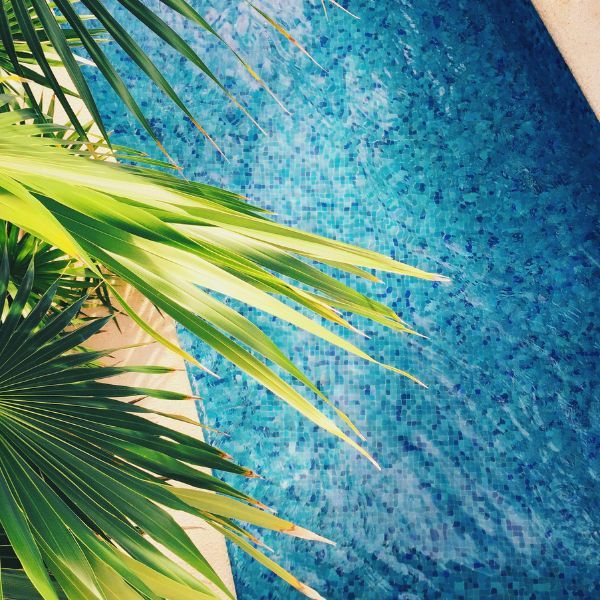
x=51 y=264
x=178 y=241
x=86 y=480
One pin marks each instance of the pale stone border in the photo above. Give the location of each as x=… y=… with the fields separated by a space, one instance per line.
x=575 y=28
x=207 y=540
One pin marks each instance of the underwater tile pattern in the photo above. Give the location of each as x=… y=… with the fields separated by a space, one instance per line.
x=449 y=135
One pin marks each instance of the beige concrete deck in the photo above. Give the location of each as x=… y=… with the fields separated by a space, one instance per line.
x=208 y=541
x=575 y=28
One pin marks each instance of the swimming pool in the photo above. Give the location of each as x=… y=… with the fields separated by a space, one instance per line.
x=451 y=136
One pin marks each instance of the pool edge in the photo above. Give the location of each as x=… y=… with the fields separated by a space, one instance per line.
x=574 y=27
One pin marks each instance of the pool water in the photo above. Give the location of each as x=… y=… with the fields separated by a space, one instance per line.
x=451 y=136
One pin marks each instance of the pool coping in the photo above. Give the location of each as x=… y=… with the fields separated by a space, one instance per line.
x=125 y=332
x=574 y=27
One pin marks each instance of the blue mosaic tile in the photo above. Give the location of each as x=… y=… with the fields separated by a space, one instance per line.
x=449 y=135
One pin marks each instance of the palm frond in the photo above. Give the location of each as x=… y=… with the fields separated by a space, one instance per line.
x=28 y=39
x=43 y=33
x=86 y=479
x=51 y=264
x=177 y=241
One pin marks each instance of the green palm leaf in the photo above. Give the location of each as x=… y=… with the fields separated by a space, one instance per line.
x=27 y=39
x=45 y=33
x=178 y=241
x=83 y=474
x=51 y=264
